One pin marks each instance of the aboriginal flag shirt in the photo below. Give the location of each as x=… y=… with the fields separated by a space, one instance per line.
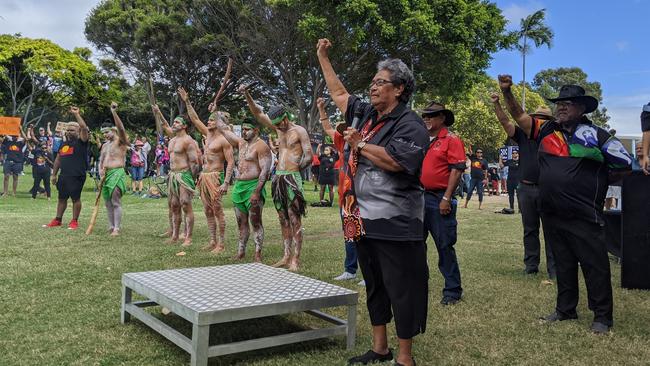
x=13 y=149
x=73 y=158
x=574 y=167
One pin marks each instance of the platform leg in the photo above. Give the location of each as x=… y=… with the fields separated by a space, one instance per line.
x=126 y=299
x=352 y=326
x=200 y=343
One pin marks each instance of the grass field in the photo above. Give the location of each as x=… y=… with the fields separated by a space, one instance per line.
x=60 y=294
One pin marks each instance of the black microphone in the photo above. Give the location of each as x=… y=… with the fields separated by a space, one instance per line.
x=358 y=113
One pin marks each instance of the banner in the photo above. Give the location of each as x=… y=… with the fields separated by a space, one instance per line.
x=10 y=126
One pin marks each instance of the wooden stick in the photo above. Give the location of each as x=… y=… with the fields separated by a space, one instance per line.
x=222 y=88
x=93 y=218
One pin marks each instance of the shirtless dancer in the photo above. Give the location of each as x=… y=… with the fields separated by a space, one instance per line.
x=294 y=155
x=212 y=183
x=248 y=195
x=111 y=168
x=184 y=159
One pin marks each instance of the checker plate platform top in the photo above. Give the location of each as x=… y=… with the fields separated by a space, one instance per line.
x=213 y=289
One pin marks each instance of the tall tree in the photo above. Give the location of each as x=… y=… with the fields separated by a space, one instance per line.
x=156 y=40
x=532 y=28
x=548 y=83
x=39 y=79
x=447 y=43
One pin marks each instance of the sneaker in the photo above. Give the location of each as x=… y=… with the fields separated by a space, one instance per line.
x=555 y=317
x=362 y=283
x=599 y=328
x=53 y=223
x=73 y=225
x=345 y=276
x=448 y=300
x=371 y=357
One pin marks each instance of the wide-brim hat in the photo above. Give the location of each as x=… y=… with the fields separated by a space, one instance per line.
x=543 y=112
x=435 y=107
x=576 y=93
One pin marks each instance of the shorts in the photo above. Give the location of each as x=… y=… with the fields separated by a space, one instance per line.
x=137 y=173
x=70 y=187
x=12 y=168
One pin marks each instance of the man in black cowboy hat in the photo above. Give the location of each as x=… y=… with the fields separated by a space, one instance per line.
x=528 y=191
x=442 y=169
x=576 y=159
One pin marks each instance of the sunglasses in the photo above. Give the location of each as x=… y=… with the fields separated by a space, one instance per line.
x=430 y=115
x=379 y=82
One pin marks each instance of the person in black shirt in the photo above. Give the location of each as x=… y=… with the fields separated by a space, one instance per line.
x=527 y=190
x=513 y=177
x=327 y=174
x=42 y=163
x=73 y=163
x=576 y=160
x=13 y=149
x=493 y=188
x=478 y=176
x=384 y=202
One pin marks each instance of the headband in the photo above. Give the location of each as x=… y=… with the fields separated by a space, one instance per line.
x=248 y=125
x=181 y=120
x=281 y=117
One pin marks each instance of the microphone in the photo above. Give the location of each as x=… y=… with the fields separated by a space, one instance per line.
x=358 y=113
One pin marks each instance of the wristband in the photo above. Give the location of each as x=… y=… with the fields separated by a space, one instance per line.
x=445 y=198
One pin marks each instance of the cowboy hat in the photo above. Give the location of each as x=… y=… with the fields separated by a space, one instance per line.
x=543 y=112
x=435 y=107
x=576 y=93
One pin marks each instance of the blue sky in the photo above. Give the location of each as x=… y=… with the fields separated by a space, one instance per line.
x=608 y=39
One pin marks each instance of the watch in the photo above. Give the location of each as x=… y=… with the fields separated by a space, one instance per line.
x=361 y=145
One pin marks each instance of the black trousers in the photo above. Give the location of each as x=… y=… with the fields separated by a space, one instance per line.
x=578 y=241
x=41 y=173
x=511 y=185
x=529 y=204
x=397 y=278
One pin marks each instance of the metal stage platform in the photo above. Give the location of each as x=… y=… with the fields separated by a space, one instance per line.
x=212 y=295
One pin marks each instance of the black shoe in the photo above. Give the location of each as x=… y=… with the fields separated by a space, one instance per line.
x=556 y=317
x=531 y=271
x=599 y=328
x=448 y=300
x=371 y=357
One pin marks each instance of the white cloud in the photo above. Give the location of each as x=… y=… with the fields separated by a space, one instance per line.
x=622 y=45
x=625 y=111
x=517 y=11
x=60 y=21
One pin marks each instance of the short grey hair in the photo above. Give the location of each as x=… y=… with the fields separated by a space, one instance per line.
x=400 y=74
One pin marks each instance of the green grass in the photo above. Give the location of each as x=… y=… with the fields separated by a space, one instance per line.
x=60 y=294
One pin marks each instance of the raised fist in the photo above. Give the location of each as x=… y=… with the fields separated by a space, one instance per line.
x=505 y=81
x=323 y=46
x=212 y=107
x=182 y=94
x=155 y=108
x=242 y=88
x=113 y=106
x=494 y=97
x=74 y=110
x=320 y=103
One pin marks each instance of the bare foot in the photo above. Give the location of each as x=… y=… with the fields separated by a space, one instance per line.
x=172 y=240
x=283 y=262
x=211 y=245
x=295 y=264
x=258 y=256
x=116 y=232
x=239 y=256
x=218 y=249
x=187 y=242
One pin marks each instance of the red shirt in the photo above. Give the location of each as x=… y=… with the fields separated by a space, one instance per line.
x=445 y=152
x=314 y=160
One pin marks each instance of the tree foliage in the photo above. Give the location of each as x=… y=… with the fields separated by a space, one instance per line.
x=475 y=120
x=548 y=83
x=40 y=79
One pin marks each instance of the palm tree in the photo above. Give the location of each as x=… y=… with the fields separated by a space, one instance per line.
x=532 y=29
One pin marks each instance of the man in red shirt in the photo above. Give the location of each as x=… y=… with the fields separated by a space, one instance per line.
x=442 y=169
